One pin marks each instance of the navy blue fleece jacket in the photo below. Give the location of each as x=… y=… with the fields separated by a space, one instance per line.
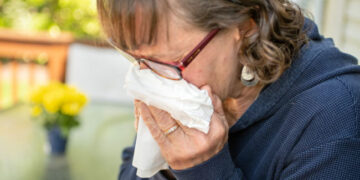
x=306 y=125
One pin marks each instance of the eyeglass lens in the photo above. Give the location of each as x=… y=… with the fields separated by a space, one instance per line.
x=162 y=70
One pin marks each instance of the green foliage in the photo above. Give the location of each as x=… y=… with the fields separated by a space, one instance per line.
x=58 y=119
x=63 y=121
x=76 y=16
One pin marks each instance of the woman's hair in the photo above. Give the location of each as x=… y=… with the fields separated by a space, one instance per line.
x=268 y=51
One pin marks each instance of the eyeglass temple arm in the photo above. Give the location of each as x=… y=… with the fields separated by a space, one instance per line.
x=187 y=60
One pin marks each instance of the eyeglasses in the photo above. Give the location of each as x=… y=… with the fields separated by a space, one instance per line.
x=171 y=71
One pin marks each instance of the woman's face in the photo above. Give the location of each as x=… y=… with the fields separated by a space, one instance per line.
x=217 y=64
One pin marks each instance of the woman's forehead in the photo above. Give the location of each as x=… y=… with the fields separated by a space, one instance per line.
x=174 y=38
x=152 y=27
x=145 y=22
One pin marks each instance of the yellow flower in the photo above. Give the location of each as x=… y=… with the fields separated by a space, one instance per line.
x=36 y=111
x=71 y=109
x=53 y=100
x=55 y=97
x=36 y=95
x=73 y=95
x=82 y=99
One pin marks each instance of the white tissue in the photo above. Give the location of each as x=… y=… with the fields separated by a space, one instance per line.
x=185 y=102
x=147 y=156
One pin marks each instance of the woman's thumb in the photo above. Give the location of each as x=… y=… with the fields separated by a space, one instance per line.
x=216 y=101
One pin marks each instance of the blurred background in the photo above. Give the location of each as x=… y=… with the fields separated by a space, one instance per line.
x=61 y=40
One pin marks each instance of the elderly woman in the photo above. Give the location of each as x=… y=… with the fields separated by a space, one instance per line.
x=286 y=100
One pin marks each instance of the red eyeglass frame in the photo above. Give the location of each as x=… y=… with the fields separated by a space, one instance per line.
x=181 y=65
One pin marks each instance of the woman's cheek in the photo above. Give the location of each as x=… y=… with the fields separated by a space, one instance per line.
x=196 y=78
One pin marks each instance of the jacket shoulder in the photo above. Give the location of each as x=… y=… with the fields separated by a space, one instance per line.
x=327 y=112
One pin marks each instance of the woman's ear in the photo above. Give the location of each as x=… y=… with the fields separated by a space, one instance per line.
x=245 y=30
x=248 y=28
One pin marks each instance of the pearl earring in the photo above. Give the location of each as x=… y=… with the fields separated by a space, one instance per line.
x=248 y=78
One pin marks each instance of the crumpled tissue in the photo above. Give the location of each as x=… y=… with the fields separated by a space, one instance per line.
x=185 y=102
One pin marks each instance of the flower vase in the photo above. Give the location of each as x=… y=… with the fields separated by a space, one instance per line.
x=57 y=141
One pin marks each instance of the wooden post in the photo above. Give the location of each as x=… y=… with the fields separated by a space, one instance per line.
x=57 y=64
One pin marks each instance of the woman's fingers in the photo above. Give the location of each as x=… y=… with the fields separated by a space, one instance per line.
x=162 y=118
x=216 y=101
x=218 y=124
x=152 y=125
x=137 y=113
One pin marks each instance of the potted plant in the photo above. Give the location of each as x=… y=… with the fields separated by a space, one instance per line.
x=56 y=106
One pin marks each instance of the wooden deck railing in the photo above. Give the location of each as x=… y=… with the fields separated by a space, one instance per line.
x=27 y=48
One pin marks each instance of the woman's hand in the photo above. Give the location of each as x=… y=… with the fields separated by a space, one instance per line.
x=185 y=147
x=136 y=113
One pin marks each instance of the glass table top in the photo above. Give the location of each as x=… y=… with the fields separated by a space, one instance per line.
x=93 y=150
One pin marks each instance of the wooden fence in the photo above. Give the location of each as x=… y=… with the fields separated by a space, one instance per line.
x=34 y=52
